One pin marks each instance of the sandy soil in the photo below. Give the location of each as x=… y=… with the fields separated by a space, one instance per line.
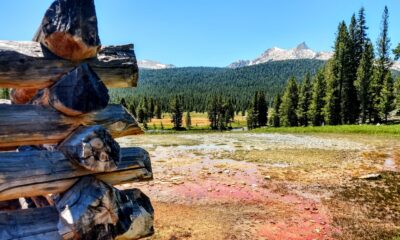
x=271 y=186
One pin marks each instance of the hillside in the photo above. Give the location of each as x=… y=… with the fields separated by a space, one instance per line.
x=198 y=84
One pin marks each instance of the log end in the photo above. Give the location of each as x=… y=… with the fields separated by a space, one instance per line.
x=70 y=47
x=104 y=213
x=22 y=95
x=69 y=30
x=93 y=148
x=78 y=92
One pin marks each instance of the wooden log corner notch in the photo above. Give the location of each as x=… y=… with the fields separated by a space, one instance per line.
x=93 y=148
x=104 y=212
x=69 y=29
x=78 y=92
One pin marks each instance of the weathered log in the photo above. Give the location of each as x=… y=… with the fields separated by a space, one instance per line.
x=33 y=125
x=69 y=29
x=30 y=224
x=92 y=148
x=30 y=65
x=8 y=205
x=36 y=173
x=135 y=219
x=104 y=212
x=78 y=92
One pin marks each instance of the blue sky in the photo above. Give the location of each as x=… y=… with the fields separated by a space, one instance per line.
x=210 y=32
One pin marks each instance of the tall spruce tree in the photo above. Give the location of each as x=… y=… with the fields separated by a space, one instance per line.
x=274 y=118
x=177 y=113
x=387 y=97
x=262 y=110
x=364 y=78
x=188 y=120
x=397 y=95
x=318 y=99
x=334 y=80
x=304 y=100
x=132 y=110
x=383 y=65
x=213 y=110
x=288 y=108
x=361 y=34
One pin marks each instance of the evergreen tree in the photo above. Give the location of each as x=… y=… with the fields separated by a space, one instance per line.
x=274 y=118
x=252 y=119
x=158 y=111
x=213 y=110
x=304 y=100
x=5 y=93
x=363 y=84
x=349 y=64
x=382 y=68
x=176 y=113
x=339 y=104
x=151 y=108
x=132 y=110
x=123 y=103
x=361 y=34
x=188 y=120
x=387 y=97
x=288 y=108
x=141 y=116
x=262 y=109
x=318 y=99
x=397 y=94
x=161 y=126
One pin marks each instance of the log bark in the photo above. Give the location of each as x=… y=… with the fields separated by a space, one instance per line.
x=30 y=65
x=33 y=125
x=78 y=92
x=30 y=224
x=36 y=173
x=69 y=29
x=104 y=212
x=92 y=148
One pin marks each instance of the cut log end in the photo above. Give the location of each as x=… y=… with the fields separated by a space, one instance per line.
x=78 y=92
x=22 y=95
x=104 y=213
x=70 y=47
x=93 y=148
x=69 y=30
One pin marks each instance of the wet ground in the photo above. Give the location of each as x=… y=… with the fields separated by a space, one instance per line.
x=272 y=186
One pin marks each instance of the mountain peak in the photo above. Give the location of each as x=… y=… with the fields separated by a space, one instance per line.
x=302 y=46
x=301 y=51
x=149 y=64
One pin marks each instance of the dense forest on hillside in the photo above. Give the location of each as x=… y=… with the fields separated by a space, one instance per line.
x=197 y=85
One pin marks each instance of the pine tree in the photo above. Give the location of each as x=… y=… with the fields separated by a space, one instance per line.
x=252 y=119
x=274 y=119
x=382 y=68
x=188 y=120
x=123 y=103
x=339 y=101
x=158 y=111
x=5 y=93
x=304 y=100
x=151 y=108
x=363 y=84
x=387 y=97
x=213 y=110
x=361 y=34
x=288 y=108
x=318 y=99
x=132 y=110
x=397 y=94
x=176 y=113
x=262 y=110
x=141 y=116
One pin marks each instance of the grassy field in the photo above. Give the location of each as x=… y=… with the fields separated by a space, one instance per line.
x=200 y=123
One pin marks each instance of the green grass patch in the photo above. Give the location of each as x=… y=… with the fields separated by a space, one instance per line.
x=343 y=129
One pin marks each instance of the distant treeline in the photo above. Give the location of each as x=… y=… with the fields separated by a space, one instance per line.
x=199 y=85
